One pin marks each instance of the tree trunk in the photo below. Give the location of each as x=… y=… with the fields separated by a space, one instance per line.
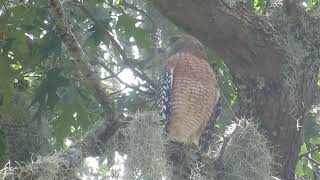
x=275 y=84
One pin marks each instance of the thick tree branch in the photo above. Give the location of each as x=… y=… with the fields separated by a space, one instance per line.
x=248 y=43
x=294 y=7
x=90 y=77
x=256 y=55
x=66 y=162
x=94 y=144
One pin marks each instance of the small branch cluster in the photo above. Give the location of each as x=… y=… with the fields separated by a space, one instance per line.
x=128 y=62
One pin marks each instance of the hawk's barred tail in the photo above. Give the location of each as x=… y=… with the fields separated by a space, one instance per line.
x=206 y=136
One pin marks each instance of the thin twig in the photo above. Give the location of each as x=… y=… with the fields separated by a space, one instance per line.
x=114 y=75
x=127 y=61
x=116 y=92
x=236 y=119
x=133 y=7
x=309 y=152
x=312 y=160
x=224 y=145
x=110 y=77
x=130 y=64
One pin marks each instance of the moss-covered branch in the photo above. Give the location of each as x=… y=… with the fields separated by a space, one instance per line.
x=89 y=76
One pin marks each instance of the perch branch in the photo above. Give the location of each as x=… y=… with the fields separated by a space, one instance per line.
x=65 y=163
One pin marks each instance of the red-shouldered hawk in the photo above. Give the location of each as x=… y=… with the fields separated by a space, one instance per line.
x=188 y=96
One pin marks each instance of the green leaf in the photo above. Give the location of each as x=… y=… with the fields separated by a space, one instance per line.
x=6 y=44
x=96 y=37
x=25 y=27
x=142 y=38
x=82 y=115
x=304 y=169
x=303 y=149
x=316 y=155
x=19 y=46
x=126 y=22
x=127 y=25
x=315 y=141
x=46 y=93
x=62 y=125
x=104 y=168
x=72 y=114
x=311 y=127
x=299 y=169
x=308 y=170
x=6 y=75
x=6 y=71
x=49 y=45
x=72 y=99
x=18 y=10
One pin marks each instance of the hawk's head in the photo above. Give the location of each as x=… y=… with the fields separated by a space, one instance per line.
x=185 y=43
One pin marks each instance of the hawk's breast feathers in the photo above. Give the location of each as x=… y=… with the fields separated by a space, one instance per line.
x=188 y=98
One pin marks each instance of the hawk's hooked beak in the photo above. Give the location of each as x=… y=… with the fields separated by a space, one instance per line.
x=168 y=45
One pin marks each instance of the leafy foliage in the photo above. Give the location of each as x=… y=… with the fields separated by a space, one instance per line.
x=33 y=60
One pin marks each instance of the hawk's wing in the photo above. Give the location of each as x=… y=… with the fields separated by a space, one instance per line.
x=164 y=97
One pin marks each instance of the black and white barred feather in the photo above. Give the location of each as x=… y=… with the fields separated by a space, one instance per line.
x=163 y=98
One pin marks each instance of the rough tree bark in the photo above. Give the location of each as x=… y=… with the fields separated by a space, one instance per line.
x=252 y=48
